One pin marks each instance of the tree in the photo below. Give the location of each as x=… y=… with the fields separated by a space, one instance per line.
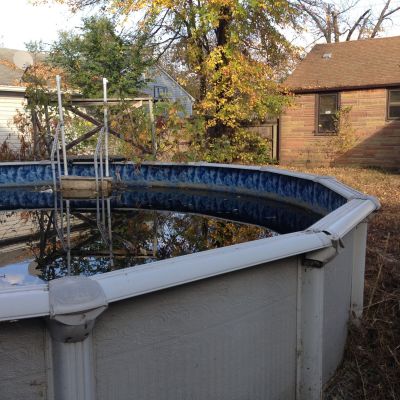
x=336 y=22
x=37 y=119
x=98 y=51
x=235 y=48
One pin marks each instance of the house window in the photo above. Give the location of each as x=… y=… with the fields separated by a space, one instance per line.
x=160 y=92
x=394 y=104
x=328 y=105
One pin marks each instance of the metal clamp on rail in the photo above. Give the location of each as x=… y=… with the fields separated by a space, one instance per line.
x=318 y=258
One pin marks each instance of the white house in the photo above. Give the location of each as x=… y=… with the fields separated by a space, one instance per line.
x=12 y=95
x=162 y=85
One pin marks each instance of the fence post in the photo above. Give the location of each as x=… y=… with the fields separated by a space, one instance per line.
x=275 y=141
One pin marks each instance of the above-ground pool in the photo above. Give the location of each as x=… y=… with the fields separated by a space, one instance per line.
x=146 y=225
x=191 y=281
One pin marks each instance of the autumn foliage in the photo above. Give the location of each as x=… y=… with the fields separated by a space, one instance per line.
x=234 y=48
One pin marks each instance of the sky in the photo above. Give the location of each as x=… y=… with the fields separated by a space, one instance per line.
x=21 y=21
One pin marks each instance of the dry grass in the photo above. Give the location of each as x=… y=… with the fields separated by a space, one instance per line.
x=371 y=366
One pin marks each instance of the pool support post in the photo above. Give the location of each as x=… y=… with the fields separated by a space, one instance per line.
x=359 y=253
x=310 y=311
x=75 y=303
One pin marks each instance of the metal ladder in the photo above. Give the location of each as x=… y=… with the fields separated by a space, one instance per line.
x=100 y=155
x=101 y=152
x=98 y=160
x=56 y=172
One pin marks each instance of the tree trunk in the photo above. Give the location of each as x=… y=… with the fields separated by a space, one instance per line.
x=221 y=32
x=202 y=86
x=336 y=33
x=35 y=134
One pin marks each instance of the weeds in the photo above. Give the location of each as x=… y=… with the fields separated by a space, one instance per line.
x=371 y=366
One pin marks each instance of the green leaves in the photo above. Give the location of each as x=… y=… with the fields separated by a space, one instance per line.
x=235 y=49
x=98 y=51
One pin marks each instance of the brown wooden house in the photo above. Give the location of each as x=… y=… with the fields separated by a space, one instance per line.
x=356 y=83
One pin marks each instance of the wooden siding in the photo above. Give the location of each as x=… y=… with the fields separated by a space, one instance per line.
x=9 y=104
x=378 y=141
x=269 y=132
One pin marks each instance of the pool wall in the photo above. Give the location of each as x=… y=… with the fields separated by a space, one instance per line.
x=265 y=181
x=263 y=320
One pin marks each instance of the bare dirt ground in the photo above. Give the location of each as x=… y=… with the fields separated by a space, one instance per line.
x=371 y=365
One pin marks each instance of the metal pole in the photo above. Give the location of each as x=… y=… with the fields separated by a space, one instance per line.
x=52 y=156
x=106 y=123
x=103 y=212
x=101 y=161
x=68 y=238
x=153 y=130
x=110 y=244
x=98 y=155
x=98 y=210
x=58 y=162
x=61 y=117
x=62 y=220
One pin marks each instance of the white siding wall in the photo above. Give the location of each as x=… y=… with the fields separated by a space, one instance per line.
x=175 y=91
x=9 y=104
x=23 y=360
x=231 y=337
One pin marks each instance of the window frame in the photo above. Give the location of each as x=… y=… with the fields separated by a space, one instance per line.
x=317 y=113
x=157 y=91
x=388 y=104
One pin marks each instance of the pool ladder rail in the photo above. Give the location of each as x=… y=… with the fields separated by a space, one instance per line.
x=103 y=221
x=80 y=186
x=73 y=186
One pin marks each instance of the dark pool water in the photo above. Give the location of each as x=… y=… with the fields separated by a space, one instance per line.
x=130 y=228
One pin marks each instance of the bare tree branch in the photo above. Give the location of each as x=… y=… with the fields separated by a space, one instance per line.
x=357 y=24
x=316 y=18
x=380 y=20
x=335 y=22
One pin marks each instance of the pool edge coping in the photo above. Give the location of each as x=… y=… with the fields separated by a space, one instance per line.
x=322 y=234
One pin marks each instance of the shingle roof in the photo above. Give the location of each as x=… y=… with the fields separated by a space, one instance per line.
x=12 y=65
x=358 y=63
x=9 y=76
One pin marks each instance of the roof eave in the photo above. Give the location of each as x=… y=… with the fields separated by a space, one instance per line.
x=176 y=82
x=8 y=88
x=343 y=88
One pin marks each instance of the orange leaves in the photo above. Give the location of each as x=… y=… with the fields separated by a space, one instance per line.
x=129 y=6
x=40 y=73
x=240 y=89
x=43 y=74
x=8 y=64
x=235 y=49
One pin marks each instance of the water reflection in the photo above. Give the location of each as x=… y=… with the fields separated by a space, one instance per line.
x=89 y=237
